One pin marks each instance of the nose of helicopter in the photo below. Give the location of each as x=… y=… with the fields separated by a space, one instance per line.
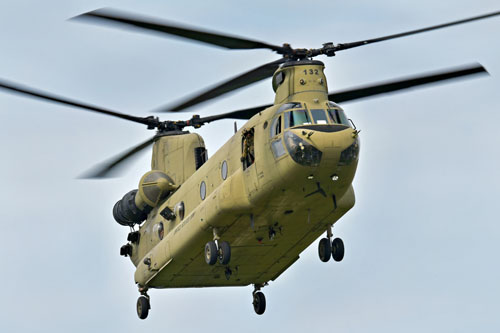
x=330 y=140
x=325 y=150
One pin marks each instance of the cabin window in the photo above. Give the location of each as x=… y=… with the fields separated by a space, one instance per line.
x=297 y=117
x=276 y=127
x=179 y=210
x=203 y=190
x=248 y=149
x=223 y=170
x=319 y=116
x=161 y=230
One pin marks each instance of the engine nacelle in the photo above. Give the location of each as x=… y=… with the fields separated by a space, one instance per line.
x=135 y=206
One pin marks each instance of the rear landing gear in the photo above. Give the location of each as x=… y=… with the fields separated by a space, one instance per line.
x=211 y=253
x=259 y=301
x=143 y=306
x=214 y=253
x=224 y=253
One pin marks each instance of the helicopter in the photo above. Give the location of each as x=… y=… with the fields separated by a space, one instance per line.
x=244 y=215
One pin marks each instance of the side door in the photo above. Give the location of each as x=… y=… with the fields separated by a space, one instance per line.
x=249 y=161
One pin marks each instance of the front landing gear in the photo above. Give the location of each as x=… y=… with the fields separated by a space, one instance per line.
x=324 y=249
x=331 y=249
x=338 y=249
x=143 y=306
x=259 y=300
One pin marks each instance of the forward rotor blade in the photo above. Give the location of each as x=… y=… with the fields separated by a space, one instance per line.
x=31 y=92
x=245 y=79
x=150 y=24
x=109 y=169
x=405 y=83
x=353 y=94
x=345 y=46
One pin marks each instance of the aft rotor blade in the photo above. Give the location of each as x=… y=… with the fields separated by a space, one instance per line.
x=345 y=46
x=31 y=92
x=405 y=83
x=109 y=168
x=245 y=79
x=240 y=114
x=109 y=15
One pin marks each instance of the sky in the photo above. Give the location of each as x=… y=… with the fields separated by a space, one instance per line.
x=422 y=241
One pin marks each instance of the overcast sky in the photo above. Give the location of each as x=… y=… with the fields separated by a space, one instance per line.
x=422 y=242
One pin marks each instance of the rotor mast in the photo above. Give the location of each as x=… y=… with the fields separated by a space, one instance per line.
x=300 y=80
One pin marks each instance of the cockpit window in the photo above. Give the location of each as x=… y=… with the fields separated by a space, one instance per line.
x=276 y=127
x=319 y=116
x=333 y=105
x=297 y=117
x=334 y=116
x=287 y=106
x=338 y=116
x=343 y=118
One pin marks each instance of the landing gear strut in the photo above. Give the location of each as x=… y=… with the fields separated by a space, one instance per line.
x=259 y=300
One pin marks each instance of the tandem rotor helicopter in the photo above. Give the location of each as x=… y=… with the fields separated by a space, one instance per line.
x=244 y=215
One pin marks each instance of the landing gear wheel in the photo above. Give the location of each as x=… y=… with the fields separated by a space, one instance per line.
x=224 y=253
x=143 y=307
x=211 y=253
x=324 y=249
x=259 y=302
x=338 y=249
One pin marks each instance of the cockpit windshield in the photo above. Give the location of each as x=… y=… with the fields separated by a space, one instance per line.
x=319 y=116
x=337 y=116
x=296 y=117
x=295 y=114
